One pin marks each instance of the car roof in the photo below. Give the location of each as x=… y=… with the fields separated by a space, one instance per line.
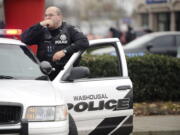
x=11 y=41
x=164 y=33
x=104 y=40
x=147 y=37
x=101 y=51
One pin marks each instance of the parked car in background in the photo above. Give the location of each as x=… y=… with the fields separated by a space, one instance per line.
x=165 y=43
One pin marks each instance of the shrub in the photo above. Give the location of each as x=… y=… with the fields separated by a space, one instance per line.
x=105 y=64
x=155 y=77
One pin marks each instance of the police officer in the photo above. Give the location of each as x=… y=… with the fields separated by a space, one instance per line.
x=56 y=39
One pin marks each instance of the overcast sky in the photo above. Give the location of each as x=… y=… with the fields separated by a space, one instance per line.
x=126 y=4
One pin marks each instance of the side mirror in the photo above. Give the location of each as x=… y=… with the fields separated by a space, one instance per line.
x=149 y=46
x=46 y=67
x=76 y=73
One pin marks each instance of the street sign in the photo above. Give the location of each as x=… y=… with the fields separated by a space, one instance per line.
x=155 y=1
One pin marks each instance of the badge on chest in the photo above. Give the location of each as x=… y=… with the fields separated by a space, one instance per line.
x=61 y=40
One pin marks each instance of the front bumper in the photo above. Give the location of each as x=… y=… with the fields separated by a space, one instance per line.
x=36 y=128
x=21 y=129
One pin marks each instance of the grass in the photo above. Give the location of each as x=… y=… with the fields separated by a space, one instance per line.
x=157 y=108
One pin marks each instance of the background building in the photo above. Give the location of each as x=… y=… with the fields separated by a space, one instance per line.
x=157 y=15
x=1 y=14
x=95 y=16
x=92 y=16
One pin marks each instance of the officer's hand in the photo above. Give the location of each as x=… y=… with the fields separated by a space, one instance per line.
x=58 y=55
x=47 y=23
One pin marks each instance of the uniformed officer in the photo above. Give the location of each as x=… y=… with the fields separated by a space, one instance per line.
x=56 y=39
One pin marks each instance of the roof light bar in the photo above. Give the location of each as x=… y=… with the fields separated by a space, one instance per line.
x=10 y=32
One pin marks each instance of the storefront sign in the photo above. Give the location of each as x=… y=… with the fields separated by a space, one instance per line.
x=155 y=1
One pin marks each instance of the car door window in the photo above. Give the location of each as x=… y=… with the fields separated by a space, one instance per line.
x=178 y=46
x=163 y=41
x=178 y=41
x=102 y=61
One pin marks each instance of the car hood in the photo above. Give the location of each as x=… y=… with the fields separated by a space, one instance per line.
x=30 y=92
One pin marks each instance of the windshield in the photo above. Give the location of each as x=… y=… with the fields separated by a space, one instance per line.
x=138 y=42
x=17 y=62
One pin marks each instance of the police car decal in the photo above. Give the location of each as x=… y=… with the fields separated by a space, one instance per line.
x=90 y=97
x=115 y=121
x=121 y=125
x=111 y=104
x=110 y=125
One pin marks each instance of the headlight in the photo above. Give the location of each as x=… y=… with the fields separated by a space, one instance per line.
x=51 y=113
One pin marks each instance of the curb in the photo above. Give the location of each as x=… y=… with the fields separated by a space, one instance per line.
x=157 y=125
x=157 y=133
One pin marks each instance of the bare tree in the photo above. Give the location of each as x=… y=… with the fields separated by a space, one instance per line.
x=93 y=9
x=90 y=10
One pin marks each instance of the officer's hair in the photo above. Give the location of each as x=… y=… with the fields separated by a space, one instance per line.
x=57 y=9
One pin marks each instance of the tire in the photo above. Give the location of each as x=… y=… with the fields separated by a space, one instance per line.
x=72 y=126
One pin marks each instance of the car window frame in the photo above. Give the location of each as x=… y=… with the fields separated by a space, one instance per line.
x=164 y=37
x=119 y=68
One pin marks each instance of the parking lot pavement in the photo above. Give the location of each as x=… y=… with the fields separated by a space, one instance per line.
x=157 y=125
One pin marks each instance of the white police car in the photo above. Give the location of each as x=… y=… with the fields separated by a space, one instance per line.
x=101 y=101
x=29 y=104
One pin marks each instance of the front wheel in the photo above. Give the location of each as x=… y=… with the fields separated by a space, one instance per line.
x=72 y=126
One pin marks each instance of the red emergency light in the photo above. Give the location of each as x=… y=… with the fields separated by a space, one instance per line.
x=10 y=32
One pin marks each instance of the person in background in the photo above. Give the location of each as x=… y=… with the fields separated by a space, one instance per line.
x=2 y=25
x=130 y=34
x=56 y=39
x=114 y=32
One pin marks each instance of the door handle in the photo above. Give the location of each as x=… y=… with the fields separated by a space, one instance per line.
x=124 y=87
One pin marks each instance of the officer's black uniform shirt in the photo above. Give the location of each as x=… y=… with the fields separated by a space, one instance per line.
x=50 y=41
